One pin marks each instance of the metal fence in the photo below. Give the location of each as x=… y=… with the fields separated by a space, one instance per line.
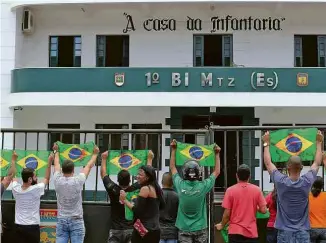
x=240 y=144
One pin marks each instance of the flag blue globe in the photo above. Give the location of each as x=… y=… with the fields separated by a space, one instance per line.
x=74 y=153
x=31 y=162
x=125 y=161
x=293 y=144
x=196 y=152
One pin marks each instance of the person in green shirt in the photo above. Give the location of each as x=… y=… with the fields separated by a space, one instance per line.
x=192 y=211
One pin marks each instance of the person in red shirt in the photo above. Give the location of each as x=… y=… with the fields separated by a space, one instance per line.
x=240 y=204
x=271 y=204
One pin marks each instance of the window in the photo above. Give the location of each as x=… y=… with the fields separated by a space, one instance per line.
x=69 y=138
x=310 y=51
x=213 y=50
x=116 y=141
x=65 y=51
x=112 y=51
x=148 y=141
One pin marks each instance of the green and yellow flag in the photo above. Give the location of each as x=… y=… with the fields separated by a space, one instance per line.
x=36 y=160
x=130 y=160
x=5 y=160
x=131 y=197
x=288 y=142
x=80 y=154
x=204 y=155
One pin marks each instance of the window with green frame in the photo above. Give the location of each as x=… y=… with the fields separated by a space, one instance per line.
x=112 y=51
x=65 y=51
x=213 y=50
x=310 y=50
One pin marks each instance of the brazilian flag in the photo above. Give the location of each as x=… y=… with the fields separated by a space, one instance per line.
x=131 y=197
x=130 y=160
x=36 y=160
x=285 y=143
x=5 y=160
x=204 y=155
x=80 y=154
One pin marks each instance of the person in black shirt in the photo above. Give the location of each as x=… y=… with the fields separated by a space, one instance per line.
x=121 y=228
x=168 y=215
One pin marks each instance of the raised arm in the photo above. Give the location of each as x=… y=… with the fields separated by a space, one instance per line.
x=91 y=162
x=267 y=155
x=12 y=171
x=173 y=146
x=217 y=168
x=324 y=158
x=104 y=157
x=57 y=167
x=319 y=153
x=46 y=179
x=150 y=158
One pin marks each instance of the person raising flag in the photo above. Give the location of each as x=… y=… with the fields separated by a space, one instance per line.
x=292 y=219
x=192 y=211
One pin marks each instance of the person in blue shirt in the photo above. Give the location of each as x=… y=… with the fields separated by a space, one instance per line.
x=292 y=218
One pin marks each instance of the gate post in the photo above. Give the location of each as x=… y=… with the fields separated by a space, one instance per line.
x=211 y=233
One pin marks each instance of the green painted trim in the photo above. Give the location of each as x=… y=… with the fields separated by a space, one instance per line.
x=103 y=80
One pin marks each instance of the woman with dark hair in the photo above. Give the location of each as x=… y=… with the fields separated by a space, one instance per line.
x=317 y=212
x=271 y=198
x=147 y=207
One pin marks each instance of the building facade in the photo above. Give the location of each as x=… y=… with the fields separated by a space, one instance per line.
x=86 y=65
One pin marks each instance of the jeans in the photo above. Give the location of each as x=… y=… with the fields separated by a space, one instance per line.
x=271 y=236
x=301 y=236
x=168 y=241
x=199 y=236
x=72 y=228
x=120 y=236
x=318 y=235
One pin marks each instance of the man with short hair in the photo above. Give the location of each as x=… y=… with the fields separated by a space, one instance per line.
x=28 y=200
x=168 y=215
x=121 y=228
x=240 y=204
x=292 y=219
x=5 y=182
x=68 y=186
x=192 y=210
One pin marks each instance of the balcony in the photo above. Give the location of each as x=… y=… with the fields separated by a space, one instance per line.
x=119 y=84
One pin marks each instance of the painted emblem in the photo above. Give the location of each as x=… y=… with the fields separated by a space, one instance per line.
x=119 y=79
x=302 y=79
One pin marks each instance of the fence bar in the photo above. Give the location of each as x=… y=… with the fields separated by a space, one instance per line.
x=37 y=140
x=262 y=164
x=238 y=148
x=117 y=131
x=225 y=161
x=250 y=154
x=96 y=166
x=3 y=140
x=25 y=141
x=253 y=128
x=84 y=167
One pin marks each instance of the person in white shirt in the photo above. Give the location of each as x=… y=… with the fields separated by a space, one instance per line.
x=28 y=199
x=5 y=182
x=70 y=224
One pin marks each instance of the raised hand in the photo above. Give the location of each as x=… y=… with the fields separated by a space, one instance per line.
x=217 y=149
x=173 y=144
x=105 y=155
x=266 y=138
x=320 y=137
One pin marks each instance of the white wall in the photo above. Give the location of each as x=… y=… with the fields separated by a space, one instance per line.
x=172 y=49
x=38 y=118
x=289 y=115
